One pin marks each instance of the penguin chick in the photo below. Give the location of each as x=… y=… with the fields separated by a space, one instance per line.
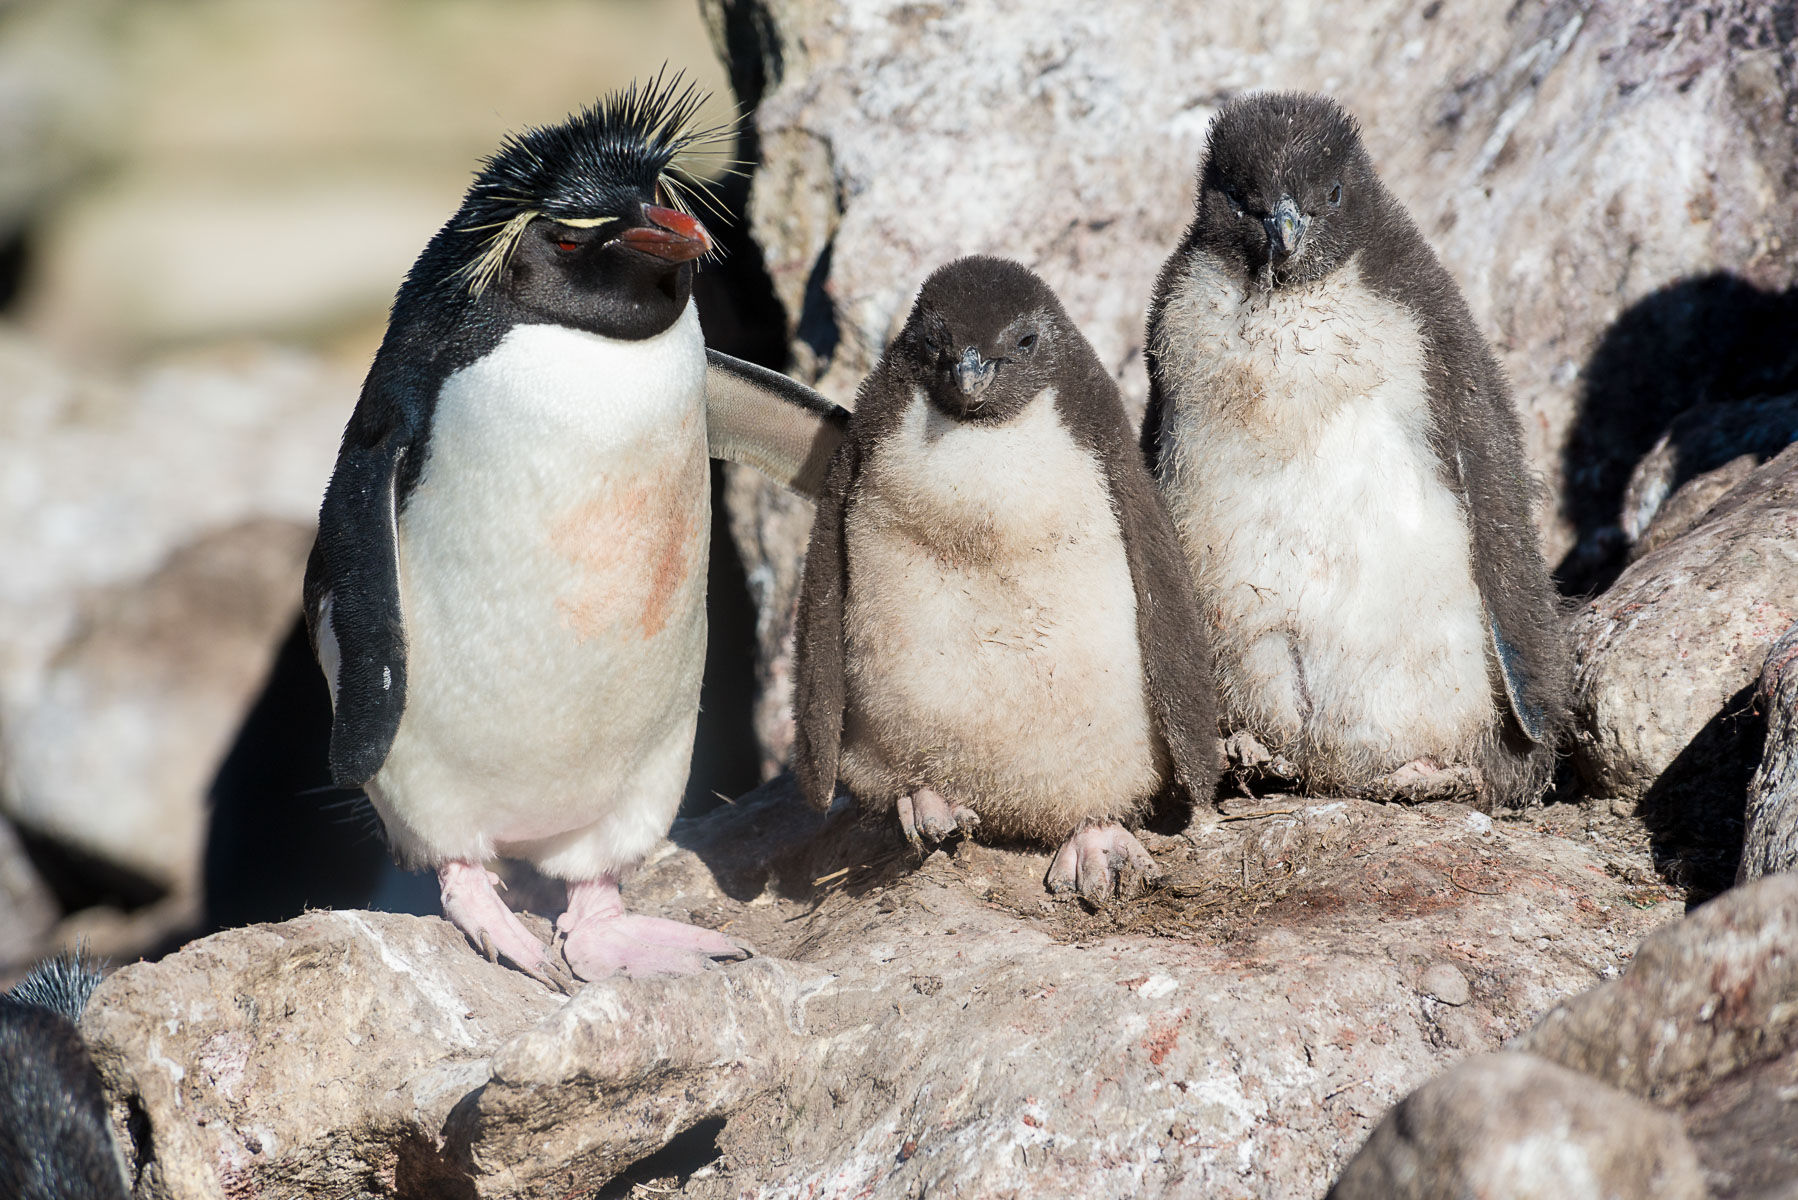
x=507 y=591
x=56 y=1141
x=996 y=626
x=1342 y=460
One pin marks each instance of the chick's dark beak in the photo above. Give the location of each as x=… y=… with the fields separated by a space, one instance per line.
x=1285 y=229
x=973 y=375
x=667 y=234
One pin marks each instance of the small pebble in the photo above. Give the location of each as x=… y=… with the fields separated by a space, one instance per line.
x=1445 y=982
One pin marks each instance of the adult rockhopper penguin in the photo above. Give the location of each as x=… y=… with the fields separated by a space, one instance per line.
x=507 y=594
x=1340 y=455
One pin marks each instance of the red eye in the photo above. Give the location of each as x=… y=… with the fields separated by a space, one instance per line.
x=568 y=247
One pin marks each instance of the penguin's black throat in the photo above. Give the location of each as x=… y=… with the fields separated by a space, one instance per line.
x=626 y=278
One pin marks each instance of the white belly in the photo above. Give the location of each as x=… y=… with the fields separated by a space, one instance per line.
x=990 y=632
x=1333 y=561
x=552 y=566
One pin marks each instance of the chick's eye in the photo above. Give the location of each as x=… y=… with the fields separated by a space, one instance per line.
x=1336 y=196
x=1026 y=342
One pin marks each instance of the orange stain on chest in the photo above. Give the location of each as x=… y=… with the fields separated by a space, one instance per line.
x=634 y=543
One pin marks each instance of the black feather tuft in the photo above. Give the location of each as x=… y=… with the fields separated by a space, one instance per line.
x=625 y=148
x=61 y=984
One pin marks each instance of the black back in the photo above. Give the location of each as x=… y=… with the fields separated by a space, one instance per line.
x=1263 y=147
x=994 y=307
x=539 y=239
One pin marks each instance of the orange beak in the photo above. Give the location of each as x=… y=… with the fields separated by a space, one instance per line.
x=669 y=235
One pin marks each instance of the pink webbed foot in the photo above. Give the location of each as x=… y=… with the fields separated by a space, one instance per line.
x=924 y=816
x=1100 y=860
x=598 y=938
x=472 y=905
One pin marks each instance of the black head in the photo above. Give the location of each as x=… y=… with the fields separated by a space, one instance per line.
x=982 y=339
x=1285 y=190
x=579 y=224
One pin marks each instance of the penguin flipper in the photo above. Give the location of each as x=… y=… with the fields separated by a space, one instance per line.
x=1531 y=717
x=763 y=419
x=352 y=602
x=1176 y=654
x=818 y=687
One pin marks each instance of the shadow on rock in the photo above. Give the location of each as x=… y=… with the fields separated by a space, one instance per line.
x=1711 y=340
x=771 y=840
x=1694 y=811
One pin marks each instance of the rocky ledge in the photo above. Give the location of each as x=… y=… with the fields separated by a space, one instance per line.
x=908 y=1027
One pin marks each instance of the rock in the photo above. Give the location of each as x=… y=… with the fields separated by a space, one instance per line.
x=615 y=1073
x=1568 y=163
x=138 y=708
x=1702 y=1000
x=770 y=527
x=1512 y=1126
x=153 y=528
x=935 y=1027
x=1771 y=842
x=1742 y=1127
x=1677 y=1079
x=1706 y=452
x=58 y=85
x=1666 y=658
x=322 y=1055
x=27 y=909
x=1444 y=982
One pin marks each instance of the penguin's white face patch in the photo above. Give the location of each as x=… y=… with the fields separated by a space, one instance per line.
x=1333 y=560
x=553 y=566
x=990 y=627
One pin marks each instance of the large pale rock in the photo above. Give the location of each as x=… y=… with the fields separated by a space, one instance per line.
x=138 y=708
x=1770 y=842
x=153 y=529
x=322 y=1055
x=1702 y=1000
x=1511 y=1126
x=909 y=1028
x=1666 y=657
x=1568 y=162
x=1674 y=1080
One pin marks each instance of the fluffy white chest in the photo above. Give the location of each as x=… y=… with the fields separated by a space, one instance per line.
x=1332 y=559
x=552 y=565
x=991 y=625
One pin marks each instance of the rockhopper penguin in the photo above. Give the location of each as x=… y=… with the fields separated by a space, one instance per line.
x=1340 y=455
x=56 y=1139
x=507 y=592
x=996 y=626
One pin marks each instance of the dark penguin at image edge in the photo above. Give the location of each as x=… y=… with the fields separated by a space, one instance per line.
x=507 y=591
x=1340 y=454
x=996 y=626
x=56 y=1140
